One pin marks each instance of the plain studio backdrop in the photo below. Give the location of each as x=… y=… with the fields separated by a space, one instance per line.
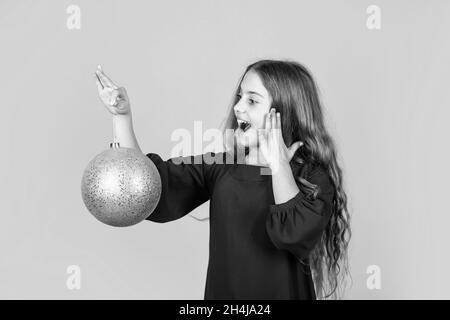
x=386 y=104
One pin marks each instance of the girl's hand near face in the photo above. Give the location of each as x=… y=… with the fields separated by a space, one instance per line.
x=272 y=145
x=113 y=97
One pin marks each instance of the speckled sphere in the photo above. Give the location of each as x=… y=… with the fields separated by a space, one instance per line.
x=121 y=186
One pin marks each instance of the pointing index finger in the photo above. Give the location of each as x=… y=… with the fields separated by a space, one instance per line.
x=99 y=82
x=106 y=82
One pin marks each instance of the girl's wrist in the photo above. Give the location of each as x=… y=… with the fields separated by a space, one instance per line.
x=123 y=119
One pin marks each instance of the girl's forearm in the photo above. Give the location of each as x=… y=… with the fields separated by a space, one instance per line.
x=283 y=184
x=123 y=131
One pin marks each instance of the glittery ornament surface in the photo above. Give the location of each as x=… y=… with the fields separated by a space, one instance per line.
x=121 y=187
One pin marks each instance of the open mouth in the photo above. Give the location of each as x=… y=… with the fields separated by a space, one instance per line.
x=243 y=125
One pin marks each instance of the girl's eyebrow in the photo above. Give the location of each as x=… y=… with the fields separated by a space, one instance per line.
x=254 y=92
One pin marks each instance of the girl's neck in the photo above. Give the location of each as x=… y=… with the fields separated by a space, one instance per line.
x=255 y=157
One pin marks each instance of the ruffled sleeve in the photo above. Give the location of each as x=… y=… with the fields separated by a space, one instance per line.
x=297 y=224
x=186 y=184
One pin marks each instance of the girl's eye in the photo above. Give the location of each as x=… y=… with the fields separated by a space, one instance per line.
x=251 y=100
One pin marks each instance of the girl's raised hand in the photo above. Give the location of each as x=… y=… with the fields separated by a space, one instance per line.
x=271 y=141
x=113 y=97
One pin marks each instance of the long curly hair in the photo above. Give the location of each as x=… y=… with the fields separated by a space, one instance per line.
x=296 y=96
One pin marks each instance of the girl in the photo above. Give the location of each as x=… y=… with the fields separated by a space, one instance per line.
x=279 y=224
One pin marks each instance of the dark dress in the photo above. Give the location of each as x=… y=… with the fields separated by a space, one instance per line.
x=255 y=245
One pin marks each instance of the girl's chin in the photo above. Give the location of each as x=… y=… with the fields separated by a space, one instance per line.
x=247 y=139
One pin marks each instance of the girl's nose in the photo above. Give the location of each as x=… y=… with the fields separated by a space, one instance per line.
x=239 y=107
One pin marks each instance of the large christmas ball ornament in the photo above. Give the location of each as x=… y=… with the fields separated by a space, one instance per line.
x=121 y=186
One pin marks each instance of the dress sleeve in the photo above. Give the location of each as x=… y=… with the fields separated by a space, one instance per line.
x=185 y=183
x=297 y=224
